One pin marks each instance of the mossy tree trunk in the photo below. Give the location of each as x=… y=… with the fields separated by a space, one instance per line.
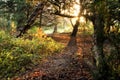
x=99 y=38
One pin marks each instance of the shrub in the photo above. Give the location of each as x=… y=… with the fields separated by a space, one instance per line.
x=18 y=54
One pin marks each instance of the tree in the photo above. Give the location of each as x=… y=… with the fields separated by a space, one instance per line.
x=15 y=10
x=6 y=10
x=22 y=29
x=101 y=14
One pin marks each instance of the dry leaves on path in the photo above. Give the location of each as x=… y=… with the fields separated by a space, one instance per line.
x=68 y=65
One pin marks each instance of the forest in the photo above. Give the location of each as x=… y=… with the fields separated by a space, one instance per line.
x=59 y=39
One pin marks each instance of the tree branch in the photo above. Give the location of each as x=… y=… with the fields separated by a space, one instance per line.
x=64 y=15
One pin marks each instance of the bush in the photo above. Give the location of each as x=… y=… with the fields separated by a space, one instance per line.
x=18 y=54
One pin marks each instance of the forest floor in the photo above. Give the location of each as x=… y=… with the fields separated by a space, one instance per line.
x=66 y=65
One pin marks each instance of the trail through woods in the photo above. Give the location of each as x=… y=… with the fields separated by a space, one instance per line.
x=67 y=65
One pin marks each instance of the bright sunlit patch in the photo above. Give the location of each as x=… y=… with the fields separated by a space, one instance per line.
x=74 y=20
x=82 y=19
x=76 y=9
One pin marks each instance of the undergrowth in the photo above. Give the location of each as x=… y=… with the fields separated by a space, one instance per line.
x=18 y=54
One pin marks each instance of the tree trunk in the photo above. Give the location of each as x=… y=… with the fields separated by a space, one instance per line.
x=99 y=38
x=41 y=18
x=55 y=29
x=75 y=28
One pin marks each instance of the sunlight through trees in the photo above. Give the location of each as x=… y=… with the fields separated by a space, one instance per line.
x=26 y=26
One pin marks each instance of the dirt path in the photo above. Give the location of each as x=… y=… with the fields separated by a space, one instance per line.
x=68 y=65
